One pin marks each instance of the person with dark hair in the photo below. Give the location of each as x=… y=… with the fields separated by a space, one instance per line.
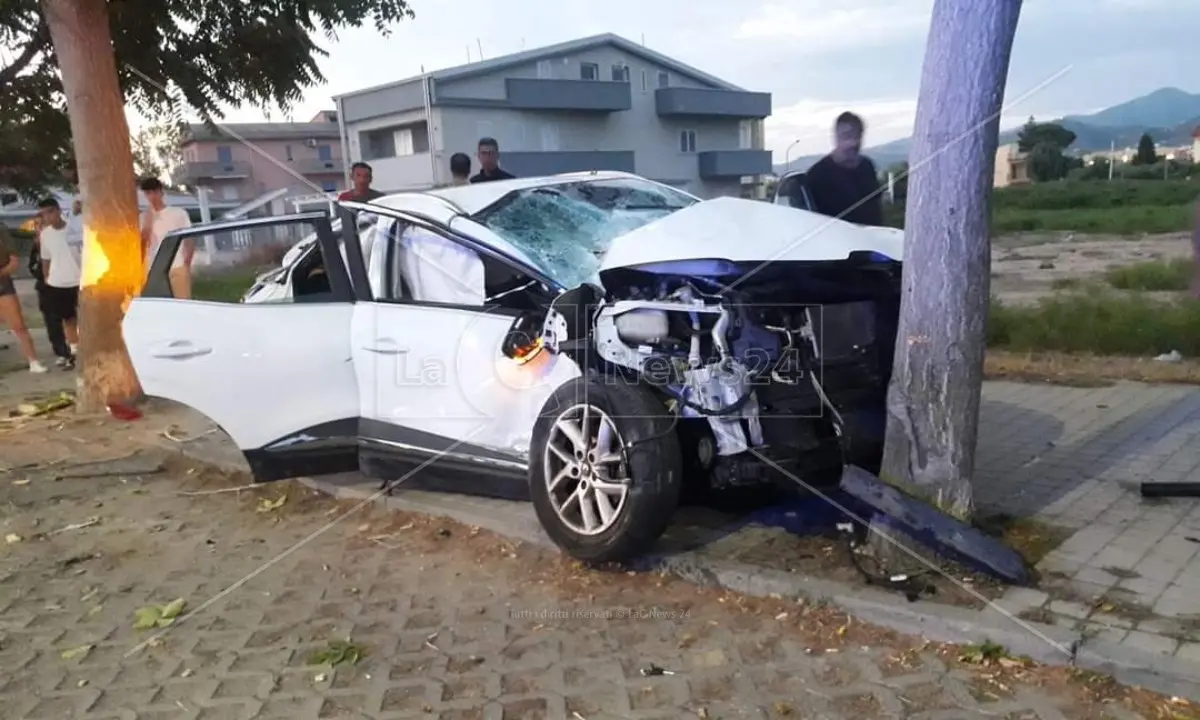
x=460 y=169
x=844 y=184
x=489 y=162
x=158 y=220
x=361 y=176
x=61 y=269
x=54 y=330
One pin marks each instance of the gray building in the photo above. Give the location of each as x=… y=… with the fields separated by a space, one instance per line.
x=599 y=103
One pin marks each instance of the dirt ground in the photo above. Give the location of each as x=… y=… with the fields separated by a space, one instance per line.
x=297 y=606
x=1026 y=266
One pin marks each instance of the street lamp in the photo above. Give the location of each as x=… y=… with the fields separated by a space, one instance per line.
x=787 y=155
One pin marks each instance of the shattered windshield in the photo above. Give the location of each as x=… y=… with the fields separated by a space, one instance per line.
x=566 y=229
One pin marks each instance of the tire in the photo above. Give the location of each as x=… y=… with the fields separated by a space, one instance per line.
x=645 y=436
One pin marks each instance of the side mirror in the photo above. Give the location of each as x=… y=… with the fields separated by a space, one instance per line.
x=523 y=341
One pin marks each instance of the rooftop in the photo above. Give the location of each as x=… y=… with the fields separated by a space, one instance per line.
x=492 y=65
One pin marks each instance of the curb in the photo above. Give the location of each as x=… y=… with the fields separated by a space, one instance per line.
x=1171 y=676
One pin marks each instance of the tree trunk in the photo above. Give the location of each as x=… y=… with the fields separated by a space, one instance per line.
x=112 y=254
x=933 y=400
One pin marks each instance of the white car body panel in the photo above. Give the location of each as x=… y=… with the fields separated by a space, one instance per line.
x=440 y=371
x=748 y=231
x=261 y=372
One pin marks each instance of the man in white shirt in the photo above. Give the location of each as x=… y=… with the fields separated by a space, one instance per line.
x=159 y=220
x=61 y=268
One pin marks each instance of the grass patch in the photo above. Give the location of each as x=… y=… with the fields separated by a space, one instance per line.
x=1099 y=321
x=1067 y=283
x=1085 y=370
x=1153 y=275
x=225 y=285
x=1033 y=540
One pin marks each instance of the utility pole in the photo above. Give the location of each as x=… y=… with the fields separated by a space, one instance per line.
x=1112 y=159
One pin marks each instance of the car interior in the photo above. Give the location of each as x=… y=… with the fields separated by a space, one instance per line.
x=412 y=263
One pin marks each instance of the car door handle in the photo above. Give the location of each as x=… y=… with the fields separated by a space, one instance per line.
x=179 y=350
x=385 y=346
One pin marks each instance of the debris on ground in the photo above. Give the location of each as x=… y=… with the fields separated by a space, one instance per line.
x=34 y=409
x=76 y=652
x=267 y=505
x=158 y=616
x=1172 y=357
x=339 y=652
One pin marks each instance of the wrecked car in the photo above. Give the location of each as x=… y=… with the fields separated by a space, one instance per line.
x=598 y=343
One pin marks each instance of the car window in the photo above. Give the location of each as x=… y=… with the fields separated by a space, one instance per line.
x=566 y=229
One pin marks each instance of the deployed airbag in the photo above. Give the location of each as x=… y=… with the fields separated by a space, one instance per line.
x=439 y=270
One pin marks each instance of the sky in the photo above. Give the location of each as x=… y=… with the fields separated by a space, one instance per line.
x=816 y=57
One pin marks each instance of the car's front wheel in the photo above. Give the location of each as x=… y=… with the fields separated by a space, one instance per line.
x=604 y=471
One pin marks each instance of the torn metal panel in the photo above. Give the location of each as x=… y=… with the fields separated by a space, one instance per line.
x=925 y=524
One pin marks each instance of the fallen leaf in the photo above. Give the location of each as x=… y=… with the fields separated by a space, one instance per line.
x=21 y=482
x=75 y=652
x=146 y=617
x=265 y=505
x=171 y=610
x=13 y=538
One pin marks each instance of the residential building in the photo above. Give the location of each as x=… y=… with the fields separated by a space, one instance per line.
x=1012 y=166
x=598 y=103
x=17 y=212
x=239 y=162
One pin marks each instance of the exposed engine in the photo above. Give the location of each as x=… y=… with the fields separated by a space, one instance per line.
x=747 y=365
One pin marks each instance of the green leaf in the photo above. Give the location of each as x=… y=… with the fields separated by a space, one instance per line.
x=76 y=652
x=147 y=617
x=171 y=610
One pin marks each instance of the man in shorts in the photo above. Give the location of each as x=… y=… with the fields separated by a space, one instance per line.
x=10 y=305
x=159 y=220
x=61 y=268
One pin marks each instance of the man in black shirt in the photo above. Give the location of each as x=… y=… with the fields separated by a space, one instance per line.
x=844 y=184
x=489 y=162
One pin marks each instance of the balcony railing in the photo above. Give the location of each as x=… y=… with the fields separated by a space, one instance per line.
x=195 y=171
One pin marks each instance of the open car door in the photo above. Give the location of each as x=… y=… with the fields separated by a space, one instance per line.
x=276 y=376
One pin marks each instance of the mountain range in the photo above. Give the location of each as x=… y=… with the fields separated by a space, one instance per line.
x=1170 y=115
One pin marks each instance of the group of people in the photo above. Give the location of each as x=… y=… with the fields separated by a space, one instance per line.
x=56 y=265
x=488 y=153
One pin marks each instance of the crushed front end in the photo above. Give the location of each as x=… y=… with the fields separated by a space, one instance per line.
x=773 y=370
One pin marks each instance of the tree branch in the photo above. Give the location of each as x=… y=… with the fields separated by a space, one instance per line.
x=36 y=44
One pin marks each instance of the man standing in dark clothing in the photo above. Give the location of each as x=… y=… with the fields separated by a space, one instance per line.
x=489 y=162
x=844 y=184
x=361 y=175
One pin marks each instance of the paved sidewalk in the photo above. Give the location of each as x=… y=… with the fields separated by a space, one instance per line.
x=1074 y=457
x=455 y=623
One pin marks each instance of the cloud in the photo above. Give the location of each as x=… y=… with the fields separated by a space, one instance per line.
x=813 y=27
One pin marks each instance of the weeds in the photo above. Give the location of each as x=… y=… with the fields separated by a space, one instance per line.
x=1153 y=275
x=1099 y=321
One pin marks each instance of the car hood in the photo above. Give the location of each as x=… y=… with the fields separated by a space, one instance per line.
x=738 y=231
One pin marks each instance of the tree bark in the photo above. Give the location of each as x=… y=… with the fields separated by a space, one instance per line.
x=112 y=255
x=933 y=399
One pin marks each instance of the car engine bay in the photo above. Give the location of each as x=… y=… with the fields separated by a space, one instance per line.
x=767 y=370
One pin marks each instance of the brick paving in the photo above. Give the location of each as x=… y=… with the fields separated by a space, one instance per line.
x=1074 y=457
x=456 y=624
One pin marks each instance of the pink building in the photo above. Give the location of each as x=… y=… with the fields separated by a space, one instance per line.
x=242 y=161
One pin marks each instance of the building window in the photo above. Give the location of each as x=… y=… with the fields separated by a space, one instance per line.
x=746 y=135
x=589 y=71
x=224 y=154
x=229 y=192
x=620 y=73
x=329 y=185
x=645 y=82
x=325 y=153
x=287 y=149
x=545 y=70
x=687 y=141
x=403 y=142
x=664 y=79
